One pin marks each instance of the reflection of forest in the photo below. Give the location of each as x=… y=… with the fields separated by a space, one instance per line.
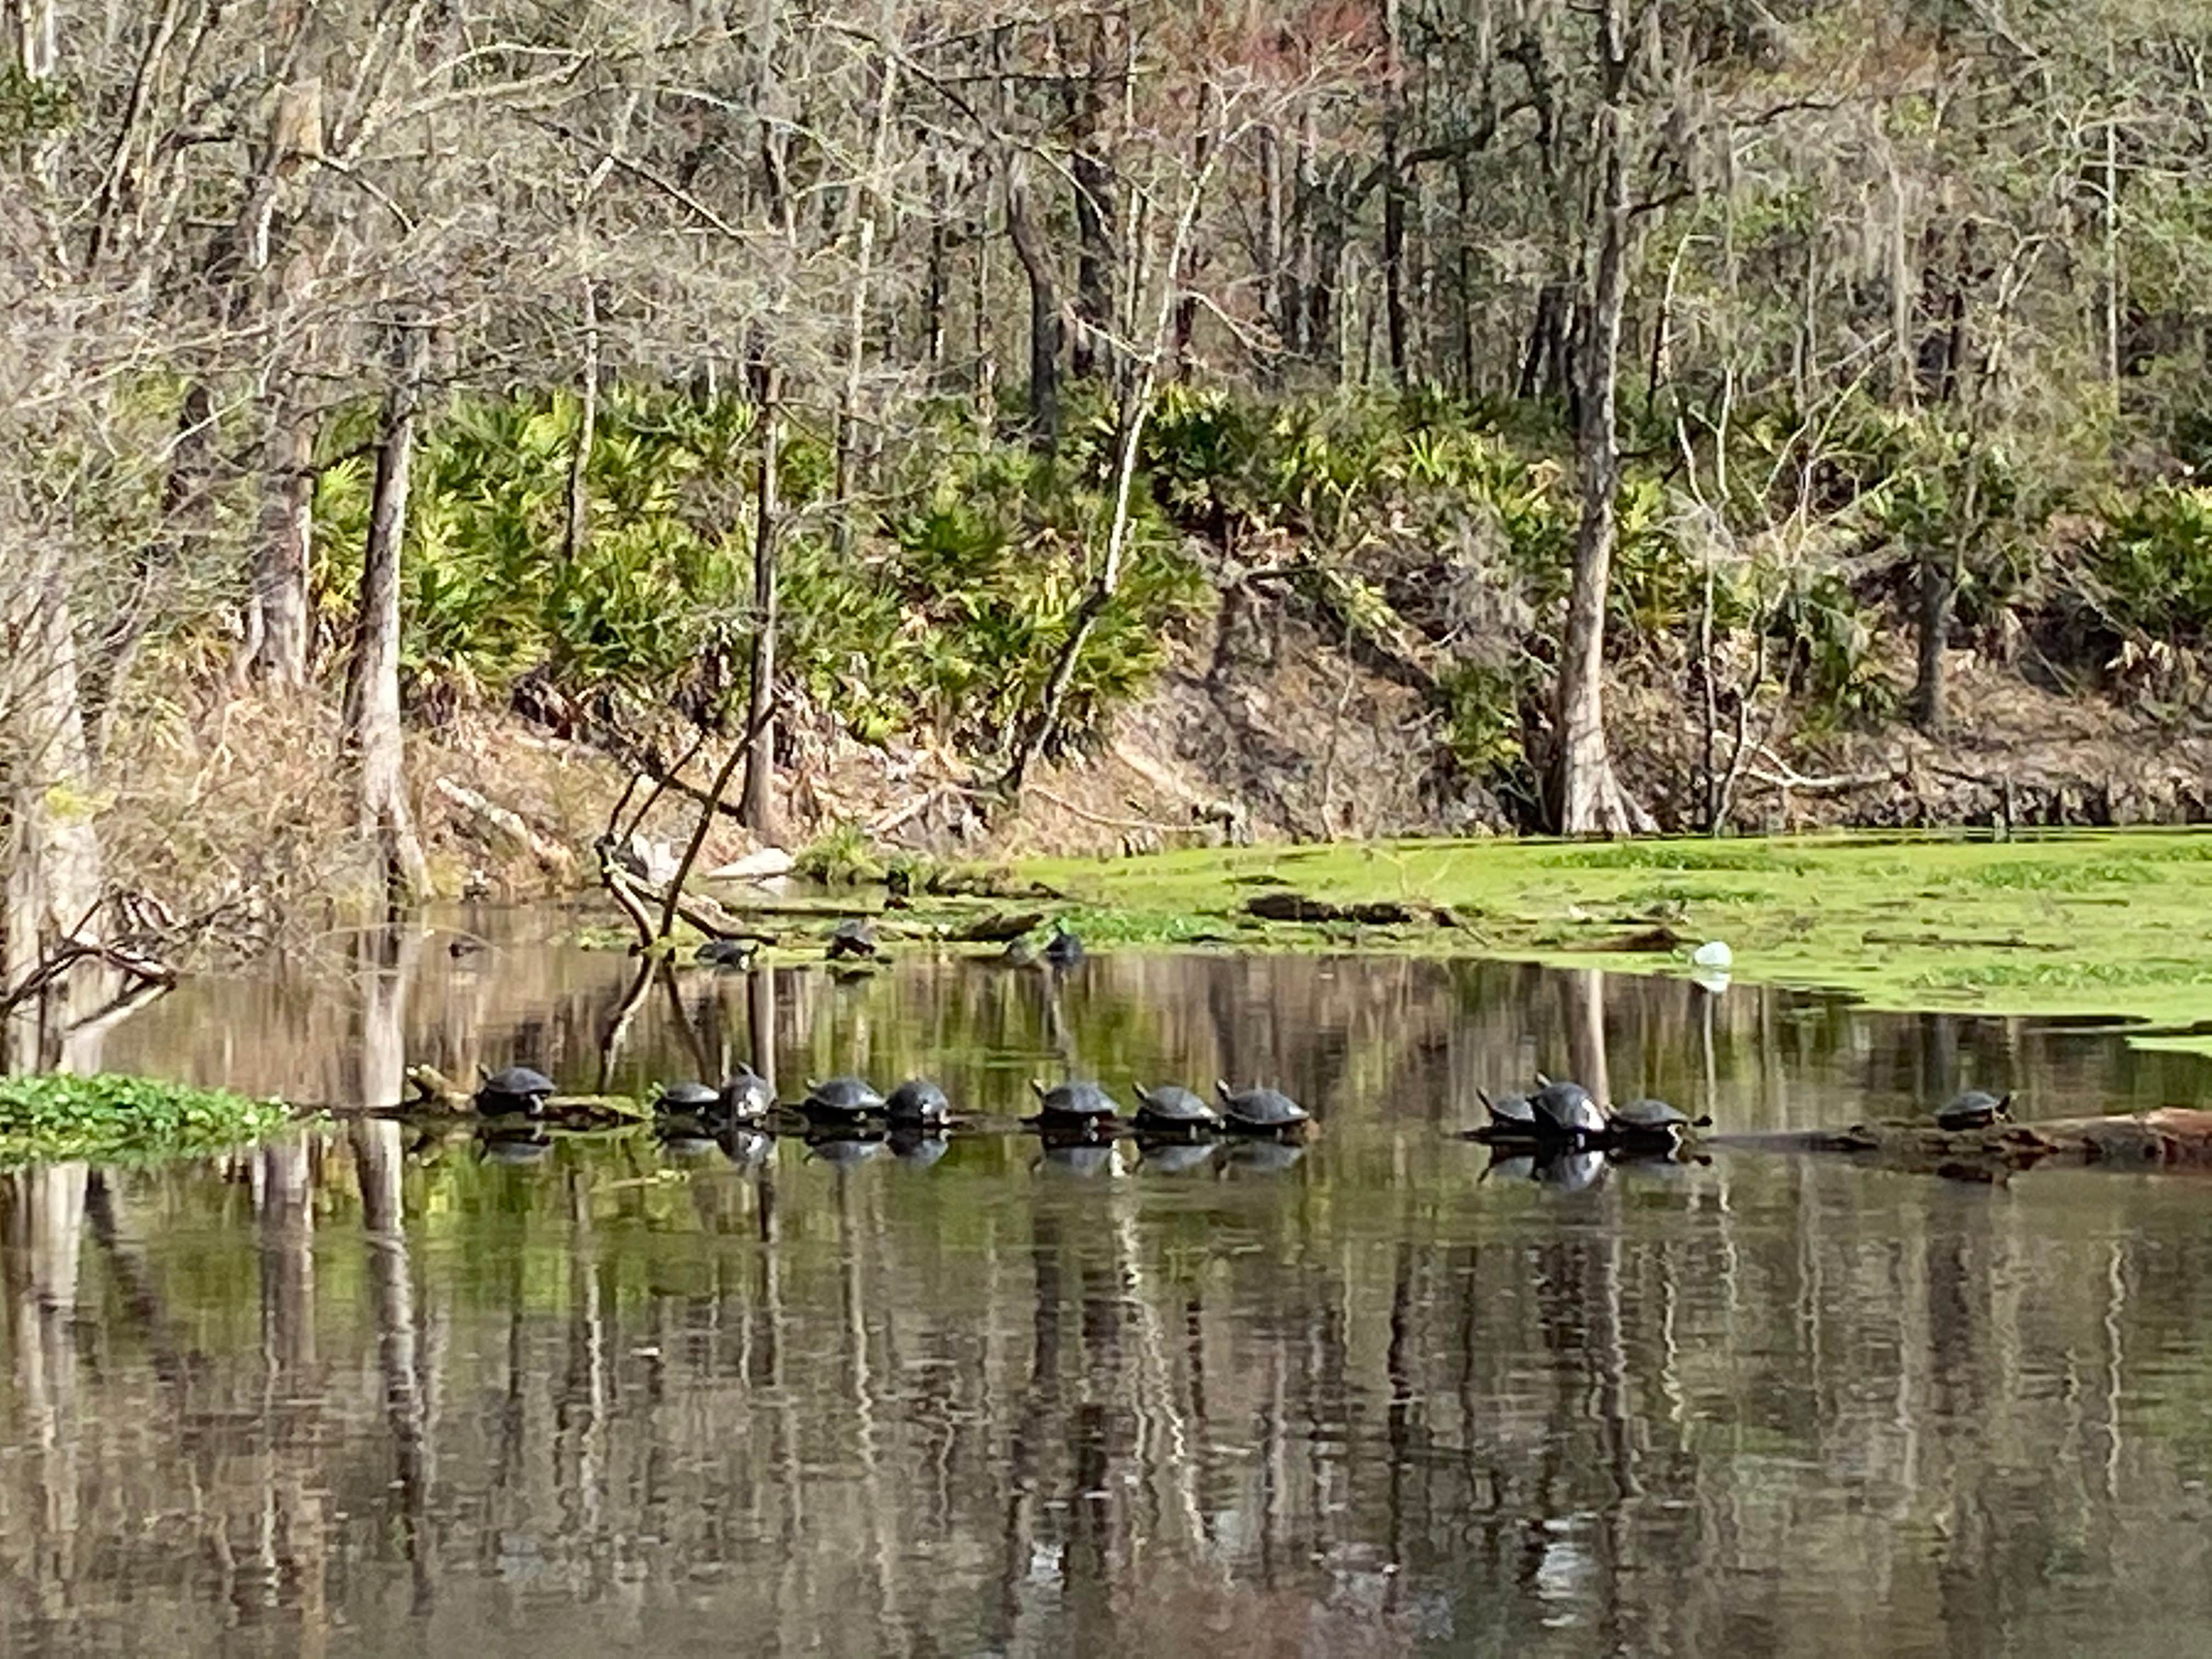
x=354 y=1393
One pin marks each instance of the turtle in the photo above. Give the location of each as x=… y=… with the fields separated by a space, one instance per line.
x=841 y=1100
x=1018 y=953
x=1975 y=1109
x=1259 y=1111
x=518 y=1090
x=692 y=1098
x=919 y=1103
x=1063 y=949
x=1652 y=1120
x=746 y=1097
x=854 y=937
x=1169 y=1109
x=1565 y=1113
x=1511 y=1116
x=1073 y=1105
x=728 y=952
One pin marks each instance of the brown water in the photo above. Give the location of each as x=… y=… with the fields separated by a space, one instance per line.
x=364 y=1393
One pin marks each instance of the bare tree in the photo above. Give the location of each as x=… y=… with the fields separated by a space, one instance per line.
x=373 y=681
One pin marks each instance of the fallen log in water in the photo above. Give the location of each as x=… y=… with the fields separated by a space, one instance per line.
x=2170 y=1137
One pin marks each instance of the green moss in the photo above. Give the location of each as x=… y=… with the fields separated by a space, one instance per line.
x=2104 y=923
x=125 y=1119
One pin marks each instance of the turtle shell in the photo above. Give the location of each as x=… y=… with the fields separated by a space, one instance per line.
x=518 y=1080
x=746 y=1094
x=843 y=1097
x=1075 y=1100
x=1171 y=1107
x=1649 y=1116
x=1259 y=1108
x=1565 y=1111
x=852 y=937
x=1510 y=1114
x=689 y=1098
x=918 y=1101
x=1974 y=1109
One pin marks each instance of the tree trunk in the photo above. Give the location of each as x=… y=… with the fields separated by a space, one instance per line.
x=1935 y=583
x=53 y=878
x=757 y=804
x=373 y=684
x=1393 y=203
x=1044 y=313
x=283 y=627
x=1091 y=170
x=576 y=531
x=1590 y=799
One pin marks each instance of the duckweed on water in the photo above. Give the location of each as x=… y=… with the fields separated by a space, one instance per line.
x=113 y=1118
x=2113 y=922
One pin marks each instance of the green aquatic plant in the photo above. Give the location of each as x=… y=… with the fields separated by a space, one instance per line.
x=113 y=1118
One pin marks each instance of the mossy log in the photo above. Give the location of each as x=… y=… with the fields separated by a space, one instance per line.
x=432 y=1094
x=2169 y=1137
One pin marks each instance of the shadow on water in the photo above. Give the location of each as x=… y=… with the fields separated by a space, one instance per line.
x=366 y=1391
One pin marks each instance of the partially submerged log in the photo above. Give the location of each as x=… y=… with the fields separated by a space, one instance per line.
x=2169 y=1137
x=432 y=1094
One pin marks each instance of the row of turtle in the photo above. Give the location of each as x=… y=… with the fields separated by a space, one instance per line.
x=856 y=940
x=1074 y=1107
x=1562 y=1113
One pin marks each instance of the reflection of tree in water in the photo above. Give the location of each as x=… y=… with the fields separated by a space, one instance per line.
x=1352 y=1408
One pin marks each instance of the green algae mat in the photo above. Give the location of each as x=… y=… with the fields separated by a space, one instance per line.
x=2109 y=923
x=125 y=1118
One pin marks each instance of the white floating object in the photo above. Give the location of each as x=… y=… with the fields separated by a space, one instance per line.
x=1713 y=954
x=1711 y=981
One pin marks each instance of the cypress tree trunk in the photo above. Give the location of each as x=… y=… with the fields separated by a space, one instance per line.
x=1590 y=801
x=373 y=682
x=757 y=804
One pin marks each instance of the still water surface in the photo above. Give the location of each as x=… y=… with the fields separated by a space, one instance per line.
x=365 y=1392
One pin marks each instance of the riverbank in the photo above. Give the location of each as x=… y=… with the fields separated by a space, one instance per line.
x=2111 y=923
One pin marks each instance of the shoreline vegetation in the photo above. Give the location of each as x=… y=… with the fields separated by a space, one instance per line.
x=1078 y=428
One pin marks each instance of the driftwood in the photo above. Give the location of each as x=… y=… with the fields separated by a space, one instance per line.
x=550 y=854
x=432 y=1094
x=2170 y=1137
x=1286 y=906
x=997 y=928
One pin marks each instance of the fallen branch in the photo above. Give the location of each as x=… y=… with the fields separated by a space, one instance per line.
x=2171 y=1135
x=550 y=854
x=1297 y=906
x=1107 y=821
